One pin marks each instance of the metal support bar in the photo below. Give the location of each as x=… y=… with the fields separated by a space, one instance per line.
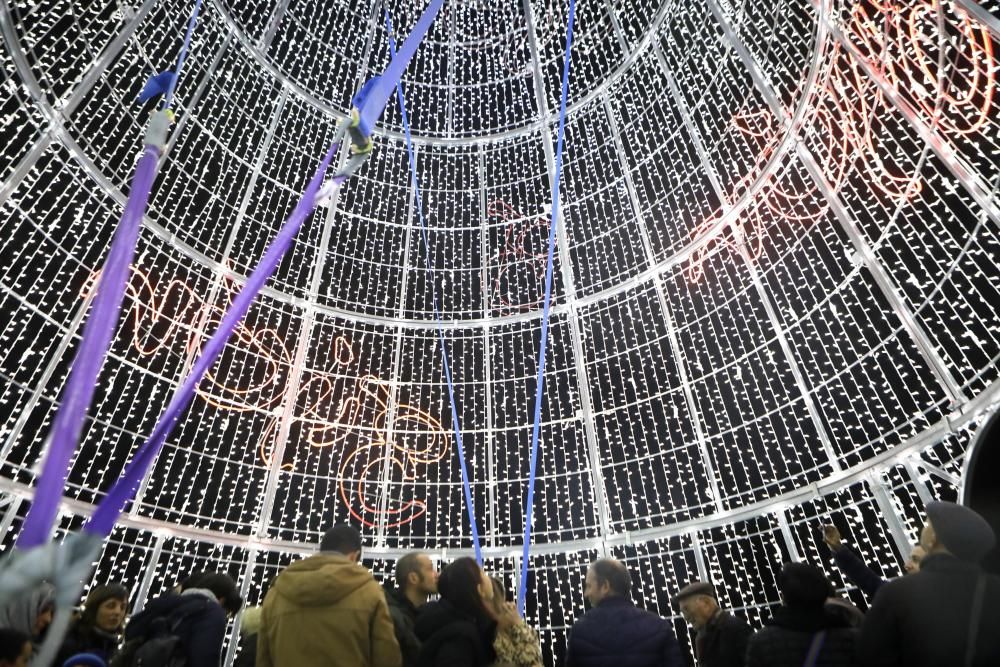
x=234 y=232
x=967 y=177
x=25 y=166
x=484 y=254
x=68 y=104
x=290 y=399
x=887 y=509
x=922 y=490
x=981 y=14
x=150 y=573
x=450 y=103
x=569 y=284
x=397 y=352
x=885 y=284
x=677 y=352
x=274 y=22
x=699 y=557
x=234 y=636
x=13 y=506
x=907 y=319
x=786 y=535
x=619 y=33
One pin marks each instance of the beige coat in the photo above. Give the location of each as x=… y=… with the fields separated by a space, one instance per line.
x=326 y=611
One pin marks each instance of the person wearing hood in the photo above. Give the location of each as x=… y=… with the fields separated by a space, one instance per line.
x=198 y=616
x=416 y=580
x=458 y=630
x=98 y=629
x=31 y=613
x=327 y=610
x=803 y=631
x=948 y=613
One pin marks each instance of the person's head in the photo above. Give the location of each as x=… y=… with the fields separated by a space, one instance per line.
x=498 y=602
x=15 y=648
x=606 y=577
x=804 y=586
x=912 y=563
x=105 y=607
x=190 y=581
x=223 y=588
x=464 y=584
x=31 y=612
x=415 y=574
x=342 y=539
x=697 y=603
x=957 y=530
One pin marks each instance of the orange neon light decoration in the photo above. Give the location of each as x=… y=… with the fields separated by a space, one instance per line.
x=384 y=433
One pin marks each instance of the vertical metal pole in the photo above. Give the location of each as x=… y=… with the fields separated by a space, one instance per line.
x=888 y=511
x=679 y=361
x=914 y=475
x=234 y=635
x=569 y=284
x=699 y=557
x=149 y=575
x=9 y=515
x=787 y=537
x=484 y=254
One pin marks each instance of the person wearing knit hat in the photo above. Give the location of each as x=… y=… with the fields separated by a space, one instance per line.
x=97 y=630
x=721 y=639
x=803 y=625
x=948 y=613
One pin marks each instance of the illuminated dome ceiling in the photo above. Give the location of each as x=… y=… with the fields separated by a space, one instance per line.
x=775 y=300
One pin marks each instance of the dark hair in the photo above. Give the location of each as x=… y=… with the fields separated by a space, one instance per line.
x=99 y=595
x=341 y=538
x=190 y=581
x=12 y=643
x=405 y=566
x=459 y=583
x=803 y=585
x=616 y=574
x=224 y=588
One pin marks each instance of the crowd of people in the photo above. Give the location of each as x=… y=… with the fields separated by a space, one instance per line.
x=328 y=610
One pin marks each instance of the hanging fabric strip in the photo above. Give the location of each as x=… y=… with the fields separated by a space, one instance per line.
x=456 y=425
x=110 y=508
x=540 y=380
x=98 y=331
x=377 y=95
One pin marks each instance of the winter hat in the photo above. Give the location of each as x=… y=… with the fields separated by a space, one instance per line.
x=962 y=531
x=85 y=660
x=804 y=585
x=693 y=589
x=250 y=623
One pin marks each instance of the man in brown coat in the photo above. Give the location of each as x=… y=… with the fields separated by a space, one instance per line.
x=327 y=611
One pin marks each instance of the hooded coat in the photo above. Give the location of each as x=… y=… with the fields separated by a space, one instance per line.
x=618 y=633
x=923 y=619
x=786 y=639
x=22 y=612
x=326 y=611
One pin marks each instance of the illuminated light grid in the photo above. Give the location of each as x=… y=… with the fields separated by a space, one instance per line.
x=687 y=385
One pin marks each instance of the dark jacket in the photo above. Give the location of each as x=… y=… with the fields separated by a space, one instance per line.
x=923 y=619
x=857 y=572
x=786 y=639
x=723 y=641
x=85 y=638
x=201 y=631
x=450 y=638
x=618 y=633
x=404 y=620
x=248 y=651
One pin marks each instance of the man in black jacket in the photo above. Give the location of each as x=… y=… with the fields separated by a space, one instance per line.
x=948 y=613
x=416 y=579
x=721 y=639
x=615 y=632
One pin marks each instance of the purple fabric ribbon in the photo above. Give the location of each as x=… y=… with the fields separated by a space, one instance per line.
x=97 y=334
x=110 y=508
